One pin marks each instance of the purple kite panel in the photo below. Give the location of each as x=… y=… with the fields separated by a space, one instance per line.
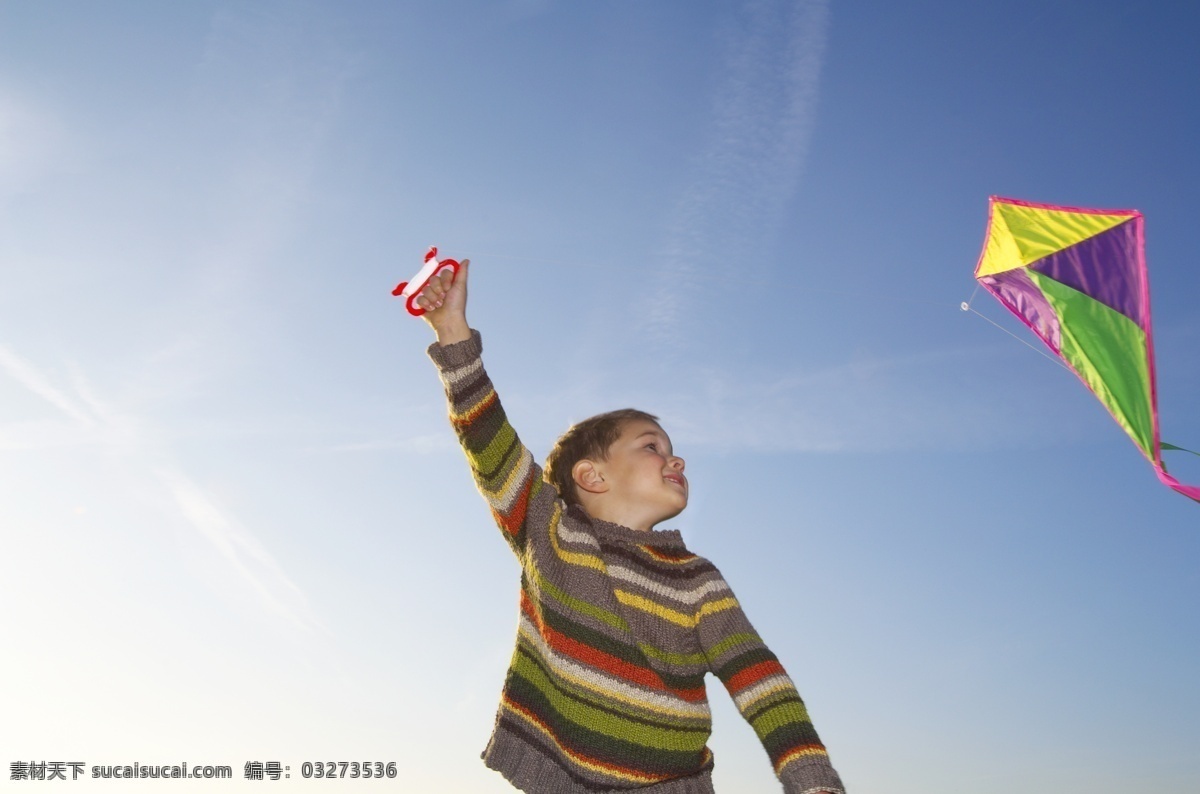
x=1105 y=267
x=1022 y=297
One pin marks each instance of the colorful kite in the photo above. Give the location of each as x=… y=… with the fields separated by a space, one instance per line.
x=1077 y=278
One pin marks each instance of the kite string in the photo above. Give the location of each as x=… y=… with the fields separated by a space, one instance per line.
x=966 y=307
x=714 y=278
x=967 y=303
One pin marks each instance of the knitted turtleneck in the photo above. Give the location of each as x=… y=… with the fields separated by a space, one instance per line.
x=617 y=629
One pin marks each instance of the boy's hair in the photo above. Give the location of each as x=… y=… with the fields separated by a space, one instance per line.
x=586 y=440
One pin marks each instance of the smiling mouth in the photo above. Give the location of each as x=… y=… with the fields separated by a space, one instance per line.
x=675 y=479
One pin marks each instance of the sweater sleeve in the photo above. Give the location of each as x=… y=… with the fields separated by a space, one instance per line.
x=504 y=469
x=764 y=694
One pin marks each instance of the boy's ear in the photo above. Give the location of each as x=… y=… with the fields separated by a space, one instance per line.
x=588 y=477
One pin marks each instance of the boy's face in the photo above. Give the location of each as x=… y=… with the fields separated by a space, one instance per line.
x=644 y=475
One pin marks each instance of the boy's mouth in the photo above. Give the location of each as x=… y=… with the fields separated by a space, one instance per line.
x=675 y=478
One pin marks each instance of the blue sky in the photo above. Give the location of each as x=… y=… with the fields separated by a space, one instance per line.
x=236 y=524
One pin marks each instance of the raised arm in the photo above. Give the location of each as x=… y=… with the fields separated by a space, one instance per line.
x=764 y=694
x=504 y=470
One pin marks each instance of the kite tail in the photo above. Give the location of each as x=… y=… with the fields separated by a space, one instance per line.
x=1190 y=491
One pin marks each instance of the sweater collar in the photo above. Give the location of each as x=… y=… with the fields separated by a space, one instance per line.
x=657 y=538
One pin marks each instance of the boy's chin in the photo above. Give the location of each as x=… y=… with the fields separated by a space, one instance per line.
x=669 y=514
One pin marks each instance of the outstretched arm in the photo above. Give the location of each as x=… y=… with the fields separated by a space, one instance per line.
x=504 y=470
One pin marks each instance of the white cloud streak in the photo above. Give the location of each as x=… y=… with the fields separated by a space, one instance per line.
x=422 y=445
x=239 y=547
x=764 y=110
x=870 y=403
x=264 y=99
x=935 y=399
x=91 y=421
x=28 y=376
x=27 y=137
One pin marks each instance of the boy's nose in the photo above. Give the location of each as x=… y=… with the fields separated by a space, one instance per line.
x=676 y=463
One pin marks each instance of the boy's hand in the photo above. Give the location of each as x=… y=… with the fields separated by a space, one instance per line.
x=445 y=303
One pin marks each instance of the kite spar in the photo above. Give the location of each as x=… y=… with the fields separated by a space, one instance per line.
x=1077 y=278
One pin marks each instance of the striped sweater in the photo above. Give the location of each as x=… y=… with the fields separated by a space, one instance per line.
x=616 y=631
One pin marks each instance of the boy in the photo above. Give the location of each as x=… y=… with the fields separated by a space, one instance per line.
x=618 y=622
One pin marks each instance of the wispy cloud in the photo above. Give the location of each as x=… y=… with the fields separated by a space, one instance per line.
x=953 y=398
x=269 y=88
x=27 y=138
x=240 y=549
x=28 y=376
x=528 y=8
x=87 y=419
x=263 y=101
x=763 y=113
x=868 y=403
x=421 y=445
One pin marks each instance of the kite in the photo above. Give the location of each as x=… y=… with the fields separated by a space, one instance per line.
x=1077 y=278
